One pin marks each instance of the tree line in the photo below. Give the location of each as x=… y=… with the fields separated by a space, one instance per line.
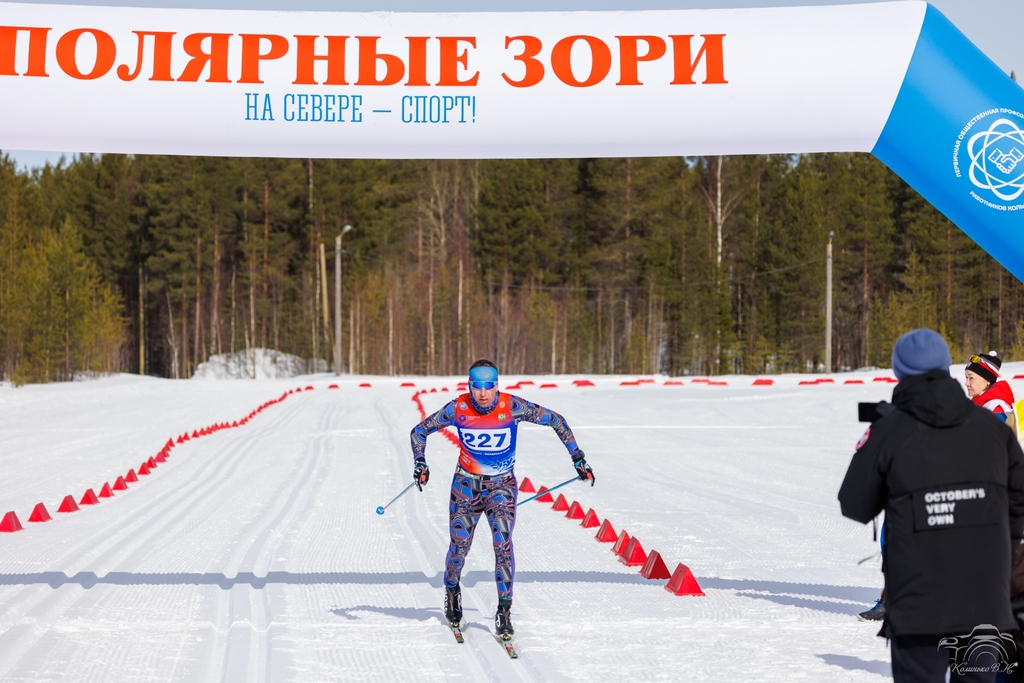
x=694 y=266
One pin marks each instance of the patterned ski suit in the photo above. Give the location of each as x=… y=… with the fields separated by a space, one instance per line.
x=484 y=481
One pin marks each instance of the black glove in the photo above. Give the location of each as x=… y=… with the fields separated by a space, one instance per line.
x=421 y=474
x=583 y=470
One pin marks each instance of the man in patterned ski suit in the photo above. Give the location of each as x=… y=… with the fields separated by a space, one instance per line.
x=484 y=481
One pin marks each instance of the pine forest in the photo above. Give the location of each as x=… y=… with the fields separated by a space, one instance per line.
x=682 y=266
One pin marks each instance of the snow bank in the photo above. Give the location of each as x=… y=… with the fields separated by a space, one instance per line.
x=257 y=364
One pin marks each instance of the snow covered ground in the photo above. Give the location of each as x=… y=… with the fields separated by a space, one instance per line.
x=254 y=554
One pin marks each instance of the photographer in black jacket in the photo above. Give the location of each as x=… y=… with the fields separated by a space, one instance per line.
x=950 y=477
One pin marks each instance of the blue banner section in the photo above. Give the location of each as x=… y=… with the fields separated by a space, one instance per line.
x=956 y=135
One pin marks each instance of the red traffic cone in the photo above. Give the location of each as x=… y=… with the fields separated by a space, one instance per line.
x=119 y=485
x=634 y=555
x=105 y=492
x=621 y=543
x=89 y=498
x=561 y=505
x=181 y=439
x=68 y=505
x=546 y=498
x=683 y=582
x=151 y=463
x=143 y=469
x=160 y=457
x=527 y=486
x=575 y=511
x=10 y=523
x=309 y=388
x=130 y=477
x=169 y=445
x=655 y=567
x=606 y=534
x=591 y=520
x=195 y=434
x=39 y=514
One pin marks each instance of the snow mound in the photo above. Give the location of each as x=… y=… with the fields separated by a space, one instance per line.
x=257 y=364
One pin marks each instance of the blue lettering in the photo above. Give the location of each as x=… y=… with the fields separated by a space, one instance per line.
x=317 y=105
x=421 y=108
x=356 y=115
x=343 y=104
x=289 y=116
x=268 y=111
x=406 y=99
x=449 y=104
x=303 y=101
x=435 y=109
x=251 y=100
x=328 y=110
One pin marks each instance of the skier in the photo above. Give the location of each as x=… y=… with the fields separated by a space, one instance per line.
x=484 y=481
x=986 y=390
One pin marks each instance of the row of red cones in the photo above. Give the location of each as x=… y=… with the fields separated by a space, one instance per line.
x=626 y=548
x=10 y=522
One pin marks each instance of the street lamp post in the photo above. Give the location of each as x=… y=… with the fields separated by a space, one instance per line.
x=828 y=304
x=337 y=299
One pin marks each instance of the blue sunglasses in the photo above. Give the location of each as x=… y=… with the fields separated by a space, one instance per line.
x=482 y=385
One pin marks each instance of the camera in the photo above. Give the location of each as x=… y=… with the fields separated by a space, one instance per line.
x=873 y=412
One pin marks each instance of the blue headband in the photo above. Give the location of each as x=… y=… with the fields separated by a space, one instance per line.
x=483 y=373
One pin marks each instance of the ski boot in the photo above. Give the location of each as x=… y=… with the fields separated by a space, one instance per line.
x=503 y=618
x=453 y=605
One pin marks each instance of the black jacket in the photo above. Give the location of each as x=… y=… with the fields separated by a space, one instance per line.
x=950 y=477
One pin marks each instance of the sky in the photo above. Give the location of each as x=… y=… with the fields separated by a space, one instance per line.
x=983 y=21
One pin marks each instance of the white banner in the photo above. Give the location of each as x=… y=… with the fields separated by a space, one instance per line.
x=480 y=85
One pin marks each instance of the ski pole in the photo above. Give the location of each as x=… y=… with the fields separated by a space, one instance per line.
x=382 y=508
x=564 y=483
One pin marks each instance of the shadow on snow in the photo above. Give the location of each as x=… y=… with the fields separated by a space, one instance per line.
x=857 y=664
x=820 y=597
x=90 y=579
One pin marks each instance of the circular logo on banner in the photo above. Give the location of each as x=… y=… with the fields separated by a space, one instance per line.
x=990 y=152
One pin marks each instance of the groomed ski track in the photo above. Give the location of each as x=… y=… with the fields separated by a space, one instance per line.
x=254 y=554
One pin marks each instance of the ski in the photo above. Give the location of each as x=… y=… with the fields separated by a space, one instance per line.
x=508 y=644
x=457 y=632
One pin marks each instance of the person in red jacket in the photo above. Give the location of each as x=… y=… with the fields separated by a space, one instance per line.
x=986 y=390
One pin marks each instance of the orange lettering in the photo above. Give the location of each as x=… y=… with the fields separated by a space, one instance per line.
x=106 y=53
x=36 y=50
x=451 y=58
x=161 y=57
x=711 y=51
x=534 y=67
x=630 y=57
x=251 y=55
x=601 y=61
x=417 y=60
x=394 y=67
x=306 y=57
x=217 y=57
